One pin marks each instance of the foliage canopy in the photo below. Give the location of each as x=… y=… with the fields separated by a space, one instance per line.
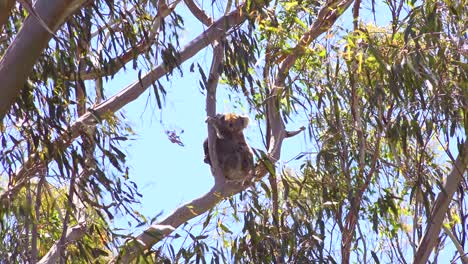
x=384 y=109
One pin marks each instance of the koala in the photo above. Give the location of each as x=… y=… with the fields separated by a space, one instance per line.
x=234 y=154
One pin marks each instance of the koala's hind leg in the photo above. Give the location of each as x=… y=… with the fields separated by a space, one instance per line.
x=232 y=165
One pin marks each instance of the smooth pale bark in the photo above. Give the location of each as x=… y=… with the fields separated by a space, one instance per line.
x=20 y=57
x=440 y=207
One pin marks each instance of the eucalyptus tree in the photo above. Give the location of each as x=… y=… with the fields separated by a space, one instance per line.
x=383 y=110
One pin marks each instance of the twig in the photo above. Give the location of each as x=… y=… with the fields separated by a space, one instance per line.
x=295 y=132
x=37 y=211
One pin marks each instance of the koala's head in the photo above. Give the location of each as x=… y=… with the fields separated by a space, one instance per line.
x=228 y=123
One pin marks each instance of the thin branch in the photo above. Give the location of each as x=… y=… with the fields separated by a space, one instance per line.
x=61 y=245
x=364 y=243
x=113 y=25
x=75 y=232
x=327 y=16
x=37 y=212
x=295 y=132
x=198 y=13
x=351 y=219
x=461 y=252
x=440 y=207
x=356 y=7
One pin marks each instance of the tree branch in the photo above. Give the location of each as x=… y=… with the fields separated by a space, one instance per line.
x=216 y=66
x=73 y=234
x=461 y=252
x=327 y=16
x=440 y=207
x=194 y=208
x=356 y=7
x=18 y=60
x=198 y=13
x=37 y=212
x=295 y=132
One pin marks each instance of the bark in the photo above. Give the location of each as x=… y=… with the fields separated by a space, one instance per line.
x=20 y=57
x=441 y=205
